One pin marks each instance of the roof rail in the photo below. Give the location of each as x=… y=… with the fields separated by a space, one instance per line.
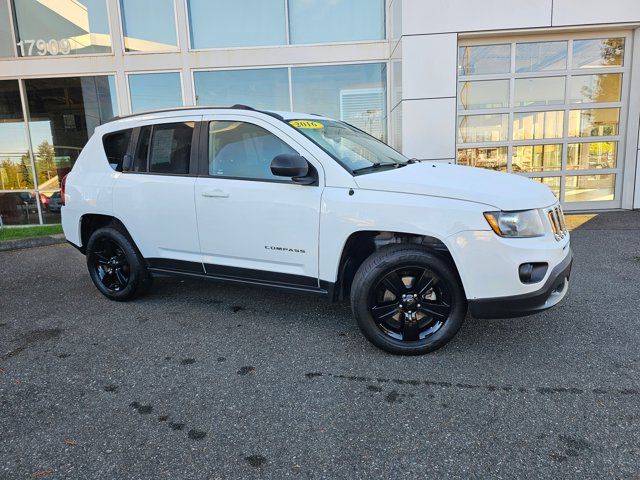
x=182 y=109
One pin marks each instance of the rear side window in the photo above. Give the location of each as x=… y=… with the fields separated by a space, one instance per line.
x=170 y=148
x=243 y=150
x=115 y=147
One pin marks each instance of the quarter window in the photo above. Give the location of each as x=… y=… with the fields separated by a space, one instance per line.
x=115 y=147
x=243 y=150
x=170 y=148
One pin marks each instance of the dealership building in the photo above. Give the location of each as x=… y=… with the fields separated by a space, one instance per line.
x=548 y=89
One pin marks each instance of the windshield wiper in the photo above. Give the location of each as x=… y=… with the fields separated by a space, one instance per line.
x=375 y=166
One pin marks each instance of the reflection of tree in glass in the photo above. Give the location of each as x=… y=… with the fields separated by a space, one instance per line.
x=15 y=175
x=611 y=51
x=602 y=88
x=45 y=165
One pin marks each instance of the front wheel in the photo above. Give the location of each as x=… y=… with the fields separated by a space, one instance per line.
x=407 y=300
x=115 y=266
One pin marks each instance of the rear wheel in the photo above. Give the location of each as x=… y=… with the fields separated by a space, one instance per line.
x=115 y=266
x=407 y=300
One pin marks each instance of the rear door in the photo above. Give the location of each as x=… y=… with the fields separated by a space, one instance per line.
x=155 y=197
x=253 y=225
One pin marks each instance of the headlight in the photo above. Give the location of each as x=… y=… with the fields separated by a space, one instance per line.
x=527 y=223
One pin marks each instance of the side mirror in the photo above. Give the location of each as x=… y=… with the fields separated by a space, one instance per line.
x=289 y=165
x=127 y=161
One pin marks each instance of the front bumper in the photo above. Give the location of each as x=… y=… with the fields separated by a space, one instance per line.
x=551 y=293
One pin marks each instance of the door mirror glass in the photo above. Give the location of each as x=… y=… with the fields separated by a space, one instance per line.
x=289 y=165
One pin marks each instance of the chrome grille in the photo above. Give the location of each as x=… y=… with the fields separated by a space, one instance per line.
x=558 y=225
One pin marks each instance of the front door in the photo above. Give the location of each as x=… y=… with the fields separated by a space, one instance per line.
x=252 y=225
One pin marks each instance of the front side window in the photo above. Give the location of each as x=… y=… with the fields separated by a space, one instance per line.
x=352 y=148
x=115 y=147
x=170 y=148
x=145 y=32
x=243 y=150
x=54 y=28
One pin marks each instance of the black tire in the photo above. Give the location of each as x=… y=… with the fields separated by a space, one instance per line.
x=427 y=281
x=116 y=267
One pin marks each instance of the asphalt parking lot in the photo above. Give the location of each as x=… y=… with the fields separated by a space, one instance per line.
x=202 y=380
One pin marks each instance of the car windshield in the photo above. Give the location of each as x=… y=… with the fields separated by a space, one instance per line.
x=357 y=151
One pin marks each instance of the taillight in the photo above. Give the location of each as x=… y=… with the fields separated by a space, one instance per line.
x=63 y=183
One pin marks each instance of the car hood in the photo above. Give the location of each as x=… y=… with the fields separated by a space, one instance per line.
x=504 y=191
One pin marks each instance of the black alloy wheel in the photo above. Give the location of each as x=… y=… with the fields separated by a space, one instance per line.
x=407 y=299
x=410 y=303
x=115 y=265
x=111 y=265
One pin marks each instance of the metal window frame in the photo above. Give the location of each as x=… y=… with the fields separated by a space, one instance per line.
x=620 y=171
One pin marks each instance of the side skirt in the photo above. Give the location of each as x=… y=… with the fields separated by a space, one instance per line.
x=239 y=276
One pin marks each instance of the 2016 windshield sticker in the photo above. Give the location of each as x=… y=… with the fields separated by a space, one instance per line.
x=306 y=124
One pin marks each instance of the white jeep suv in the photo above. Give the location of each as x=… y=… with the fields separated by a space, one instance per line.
x=309 y=204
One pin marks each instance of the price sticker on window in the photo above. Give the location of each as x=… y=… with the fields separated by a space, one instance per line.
x=306 y=124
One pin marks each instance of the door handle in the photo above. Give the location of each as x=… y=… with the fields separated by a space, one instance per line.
x=217 y=193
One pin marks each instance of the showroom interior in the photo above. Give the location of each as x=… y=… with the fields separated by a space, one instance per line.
x=548 y=90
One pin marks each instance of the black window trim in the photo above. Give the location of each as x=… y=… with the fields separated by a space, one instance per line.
x=203 y=147
x=193 y=156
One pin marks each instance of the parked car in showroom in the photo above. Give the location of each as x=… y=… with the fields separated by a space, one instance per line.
x=309 y=204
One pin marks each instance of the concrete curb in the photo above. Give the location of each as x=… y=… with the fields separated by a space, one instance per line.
x=21 y=243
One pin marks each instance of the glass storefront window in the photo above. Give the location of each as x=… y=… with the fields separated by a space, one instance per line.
x=596 y=88
x=6 y=38
x=19 y=208
x=266 y=88
x=15 y=164
x=595 y=122
x=552 y=182
x=50 y=28
x=536 y=158
x=482 y=128
x=492 y=158
x=484 y=59
x=355 y=94
x=50 y=206
x=588 y=156
x=538 y=125
x=148 y=33
x=63 y=113
x=598 y=53
x=322 y=21
x=155 y=91
x=240 y=23
x=589 y=188
x=541 y=56
x=483 y=94
x=539 y=91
